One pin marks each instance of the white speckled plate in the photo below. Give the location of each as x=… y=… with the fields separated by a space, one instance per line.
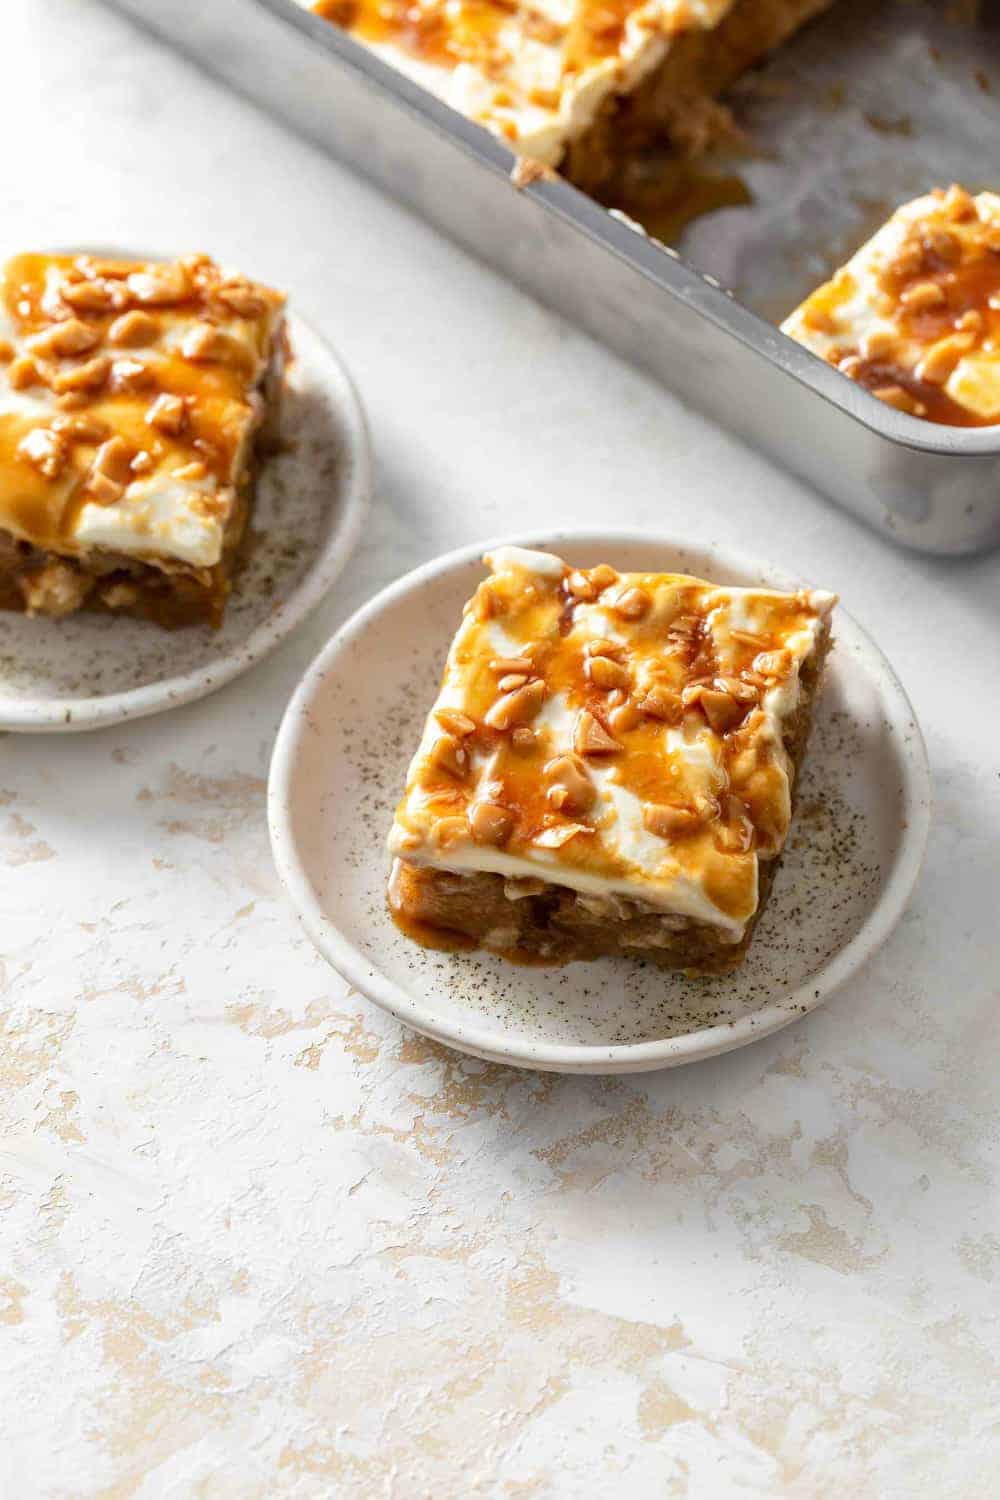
x=338 y=769
x=88 y=671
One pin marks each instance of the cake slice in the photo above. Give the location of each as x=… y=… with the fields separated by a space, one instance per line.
x=914 y=316
x=132 y=395
x=609 y=765
x=588 y=88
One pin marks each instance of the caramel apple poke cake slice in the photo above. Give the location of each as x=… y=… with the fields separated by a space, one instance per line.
x=914 y=316
x=132 y=398
x=584 y=86
x=609 y=765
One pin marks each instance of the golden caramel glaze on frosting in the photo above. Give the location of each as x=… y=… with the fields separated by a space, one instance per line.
x=616 y=733
x=127 y=401
x=535 y=74
x=914 y=316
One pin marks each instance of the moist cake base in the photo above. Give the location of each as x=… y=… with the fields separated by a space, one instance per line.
x=621 y=159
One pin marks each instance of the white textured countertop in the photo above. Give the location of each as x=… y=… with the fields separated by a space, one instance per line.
x=257 y=1241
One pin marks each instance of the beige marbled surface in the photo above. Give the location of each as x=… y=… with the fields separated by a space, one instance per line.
x=257 y=1241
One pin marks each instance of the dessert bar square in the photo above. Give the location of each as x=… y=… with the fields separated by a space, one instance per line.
x=609 y=765
x=587 y=88
x=915 y=315
x=132 y=396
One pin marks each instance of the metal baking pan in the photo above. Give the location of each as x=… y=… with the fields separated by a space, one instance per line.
x=868 y=106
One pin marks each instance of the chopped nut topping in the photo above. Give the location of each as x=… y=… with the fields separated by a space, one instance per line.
x=449 y=754
x=601 y=647
x=108 y=270
x=90 y=296
x=773 y=663
x=707 y=807
x=602 y=577
x=900 y=398
x=455 y=722
x=131 y=375
x=958 y=204
x=89 y=429
x=487 y=603
x=131 y=330
x=168 y=414
x=736 y=834
x=63 y=340
x=6 y=351
x=160 y=286
x=209 y=452
x=908 y=260
x=192 y=471
x=632 y=604
x=85 y=377
x=721 y=709
x=559 y=834
x=112 y=461
x=669 y=822
x=570 y=788
x=659 y=703
x=447 y=832
x=581 y=587
x=45 y=449
x=743 y=692
x=205 y=344
x=511 y=681
x=821 y=319
x=196 y=262
x=502 y=665
x=878 y=343
x=607 y=674
x=971 y=321
x=518 y=707
x=850 y=366
x=142 y=463
x=942 y=357
x=923 y=295
x=590 y=736
x=490 y=823
x=942 y=243
x=685 y=627
x=523 y=739
x=102 y=490
x=23 y=373
x=241 y=298
x=624 y=718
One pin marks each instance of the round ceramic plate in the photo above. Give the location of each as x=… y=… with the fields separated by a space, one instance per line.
x=88 y=671
x=339 y=766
